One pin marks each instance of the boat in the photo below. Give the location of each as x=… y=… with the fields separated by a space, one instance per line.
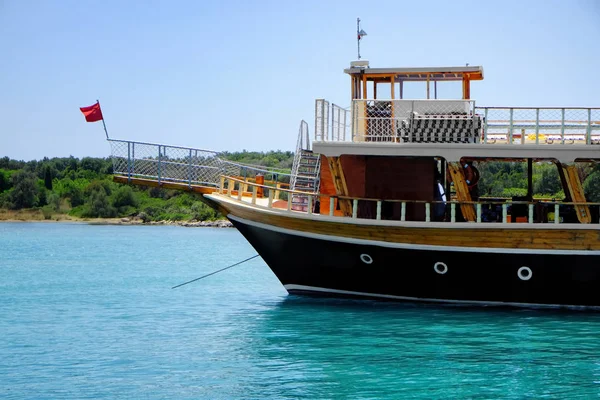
x=383 y=202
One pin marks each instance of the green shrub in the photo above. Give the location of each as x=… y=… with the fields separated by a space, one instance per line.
x=47 y=211
x=125 y=196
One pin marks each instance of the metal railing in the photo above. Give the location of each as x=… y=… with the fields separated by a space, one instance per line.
x=340 y=123
x=302 y=143
x=542 y=125
x=536 y=212
x=458 y=121
x=192 y=166
x=413 y=120
x=321 y=120
x=332 y=122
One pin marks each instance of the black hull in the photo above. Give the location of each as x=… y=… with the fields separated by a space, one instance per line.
x=317 y=265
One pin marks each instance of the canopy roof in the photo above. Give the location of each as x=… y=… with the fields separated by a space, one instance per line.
x=473 y=73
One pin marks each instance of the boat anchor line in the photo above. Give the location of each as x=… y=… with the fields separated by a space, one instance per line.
x=291 y=288
x=406 y=245
x=212 y=273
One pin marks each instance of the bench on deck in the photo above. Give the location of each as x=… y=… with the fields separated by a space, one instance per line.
x=441 y=128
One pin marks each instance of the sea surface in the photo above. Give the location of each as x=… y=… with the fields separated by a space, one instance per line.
x=88 y=312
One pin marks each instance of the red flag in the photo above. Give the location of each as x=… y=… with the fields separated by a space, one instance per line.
x=92 y=113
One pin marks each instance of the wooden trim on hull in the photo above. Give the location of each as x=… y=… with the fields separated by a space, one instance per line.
x=467 y=235
x=413 y=246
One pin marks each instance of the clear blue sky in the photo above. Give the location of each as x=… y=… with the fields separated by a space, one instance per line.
x=234 y=75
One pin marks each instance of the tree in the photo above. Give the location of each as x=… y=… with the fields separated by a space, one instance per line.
x=48 y=177
x=591 y=187
x=25 y=190
x=98 y=204
x=4 y=181
x=124 y=196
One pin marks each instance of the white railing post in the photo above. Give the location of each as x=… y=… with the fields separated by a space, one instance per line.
x=588 y=139
x=289 y=202
x=452 y=212
x=309 y=206
x=537 y=126
x=158 y=171
x=133 y=157
x=530 y=219
x=317 y=102
x=331 y=206
x=128 y=161
x=479 y=212
x=378 y=217
x=403 y=212
x=485 y=126
x=345 y=122
x=510 y=128
x=229 y=187
x=474 y=118
x=354 y=208
x=504 y=212
x=271 y=193
x=562 y=126
x=427 y=212
x=190 y=170
x=556 y=216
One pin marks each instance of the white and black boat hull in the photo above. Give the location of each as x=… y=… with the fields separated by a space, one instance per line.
x=329 y=265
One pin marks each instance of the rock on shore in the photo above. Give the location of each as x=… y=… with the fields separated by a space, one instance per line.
x=223 y=223
x=190 y=224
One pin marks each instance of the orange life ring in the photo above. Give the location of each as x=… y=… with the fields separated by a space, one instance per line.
x=471 y=175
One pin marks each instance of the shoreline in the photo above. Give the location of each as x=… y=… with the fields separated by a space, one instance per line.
x=125 y=222
x=32 y=216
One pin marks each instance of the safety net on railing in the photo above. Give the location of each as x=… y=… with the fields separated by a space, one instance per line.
x=455 y=121
x=415 y=121
x=181 y=164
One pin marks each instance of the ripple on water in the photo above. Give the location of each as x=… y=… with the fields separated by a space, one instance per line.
x=88 y=312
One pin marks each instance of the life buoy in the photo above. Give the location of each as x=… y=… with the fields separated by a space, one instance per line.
x=471 y=175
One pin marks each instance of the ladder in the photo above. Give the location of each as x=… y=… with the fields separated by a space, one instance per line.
x=305 y=172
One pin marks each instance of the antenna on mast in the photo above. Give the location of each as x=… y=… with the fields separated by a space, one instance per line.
x=359 y=34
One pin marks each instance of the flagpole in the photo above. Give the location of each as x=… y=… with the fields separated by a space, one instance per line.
x=103 y=123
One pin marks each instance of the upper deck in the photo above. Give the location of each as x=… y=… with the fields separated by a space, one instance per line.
x=380 y=121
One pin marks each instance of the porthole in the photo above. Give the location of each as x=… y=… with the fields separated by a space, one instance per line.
x=440 y=268
x=367 y=259
x=524 y=273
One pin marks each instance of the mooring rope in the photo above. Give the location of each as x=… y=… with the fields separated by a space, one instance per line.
x=212 y=273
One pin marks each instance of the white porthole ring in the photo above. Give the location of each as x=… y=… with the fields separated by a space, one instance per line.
x=524 y=273
x=440 y=267
x=367 y=259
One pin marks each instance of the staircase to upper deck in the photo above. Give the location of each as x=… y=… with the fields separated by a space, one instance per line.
x=306 y=170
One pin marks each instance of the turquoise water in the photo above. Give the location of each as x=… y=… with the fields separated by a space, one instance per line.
x=88 y=312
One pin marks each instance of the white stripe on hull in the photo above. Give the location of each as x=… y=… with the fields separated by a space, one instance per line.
x=408 y=245
x=292 y=288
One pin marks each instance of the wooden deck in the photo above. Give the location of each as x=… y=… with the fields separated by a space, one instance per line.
x=165 y=184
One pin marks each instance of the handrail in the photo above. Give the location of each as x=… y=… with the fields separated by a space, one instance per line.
x=257 y=189
x=180 y=164
x=163 y=145
x=395 y=121
x=302 y=136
